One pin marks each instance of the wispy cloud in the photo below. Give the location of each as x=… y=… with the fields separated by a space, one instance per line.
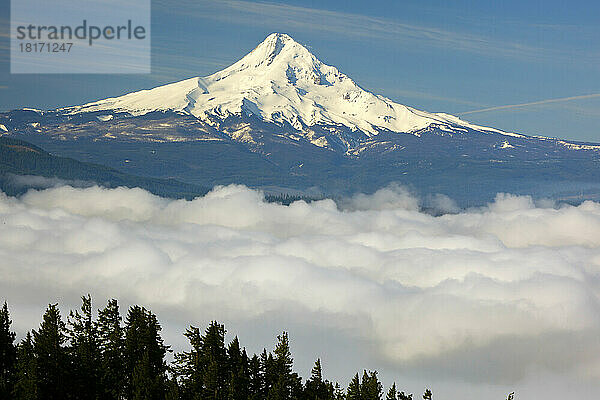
x=581 y=110
x=346 y=24
x=532 y=103
x=419 y=94
x=167 y=65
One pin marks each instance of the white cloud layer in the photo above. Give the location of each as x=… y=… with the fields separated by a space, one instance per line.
x=488 y=295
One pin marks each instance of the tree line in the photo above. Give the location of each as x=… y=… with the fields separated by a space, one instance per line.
x=112 y=358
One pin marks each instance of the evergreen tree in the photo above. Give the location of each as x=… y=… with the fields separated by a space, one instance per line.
x=26 y=371
x=85 y=351
x=203 y=371
x=255 y=381
x=268 y=373
x=52 y=363
x=238 y=381
x=214 y=359
x=8 y=354
x=428 y=395
x=144 y=356
x=316 y=388
x=404 y=396
x=338 y=392
x=354 y=387
x=144 y=384
x=287 y=384
x=371 y=387
x=111 y=346
x=188 y=366
x=392 y=393
x=172 y=391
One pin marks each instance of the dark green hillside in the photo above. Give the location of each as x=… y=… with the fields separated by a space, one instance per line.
x=18 y=157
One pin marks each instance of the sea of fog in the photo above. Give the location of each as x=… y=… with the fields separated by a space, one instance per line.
x=482 y=301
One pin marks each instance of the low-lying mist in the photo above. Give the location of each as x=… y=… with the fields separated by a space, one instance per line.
x=487 y=295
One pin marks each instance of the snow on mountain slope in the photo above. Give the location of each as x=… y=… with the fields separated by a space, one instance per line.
x=281 y=81
x=171 y=97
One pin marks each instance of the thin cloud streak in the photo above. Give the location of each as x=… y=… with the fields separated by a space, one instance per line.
x=349 y=24
x=416 y=94
x=533 y=103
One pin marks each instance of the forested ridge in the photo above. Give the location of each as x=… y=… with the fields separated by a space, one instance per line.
x=111 y=357
x=18 y=157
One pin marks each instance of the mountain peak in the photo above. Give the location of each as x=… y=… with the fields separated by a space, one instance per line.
x=277 y=38
x=276 y=45
x=273 y=44
x=281 y=81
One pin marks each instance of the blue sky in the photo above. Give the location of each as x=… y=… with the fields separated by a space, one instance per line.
x=455 y=57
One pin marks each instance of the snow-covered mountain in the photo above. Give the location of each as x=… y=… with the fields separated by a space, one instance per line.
x=282 y=81
x=280 y=119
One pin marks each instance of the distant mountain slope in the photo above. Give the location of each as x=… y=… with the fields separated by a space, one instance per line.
x=281 y=120
x=20 y=159
x=281 y=81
